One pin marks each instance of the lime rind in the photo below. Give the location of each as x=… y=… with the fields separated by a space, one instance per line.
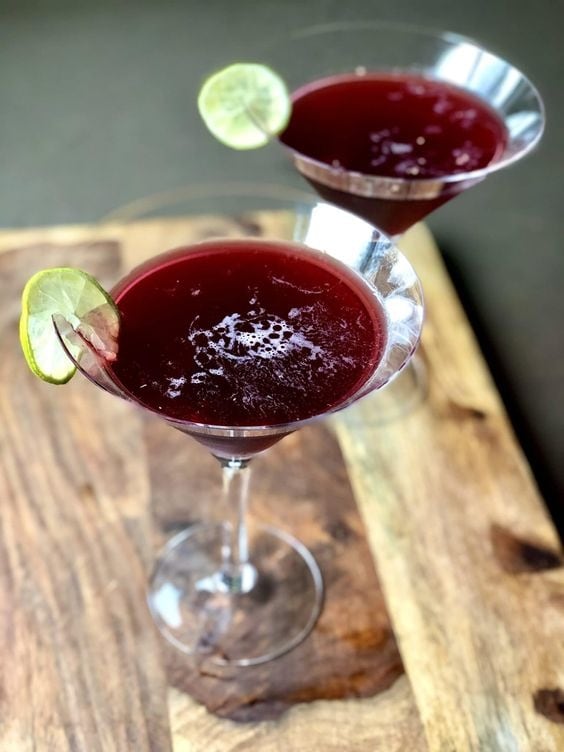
x=245 y=105
x=79 y=299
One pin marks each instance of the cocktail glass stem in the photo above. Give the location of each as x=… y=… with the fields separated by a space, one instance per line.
x=237 y=574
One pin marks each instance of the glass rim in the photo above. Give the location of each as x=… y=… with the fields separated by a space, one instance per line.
x=410 y=28
x=130 y=211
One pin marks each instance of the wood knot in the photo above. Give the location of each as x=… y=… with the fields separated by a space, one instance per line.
x=466 y=412
x=339 y=531
x=517 y=555
x=550 y=703
x=371 y=638
x=86 y=490
x=476 y=413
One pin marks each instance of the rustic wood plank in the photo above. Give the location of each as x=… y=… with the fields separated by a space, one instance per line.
x=80 y=658
x=469 y=559
x=387 y=722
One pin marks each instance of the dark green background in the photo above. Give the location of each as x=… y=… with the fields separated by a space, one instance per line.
x=97 y=108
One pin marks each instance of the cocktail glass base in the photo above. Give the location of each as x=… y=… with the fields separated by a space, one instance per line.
x=268 y=609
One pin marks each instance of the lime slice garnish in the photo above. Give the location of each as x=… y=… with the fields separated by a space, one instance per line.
x=78 y=298
x=244 y=105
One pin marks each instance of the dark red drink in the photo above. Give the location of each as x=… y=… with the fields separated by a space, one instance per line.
x=392 y=126
x=246 y=333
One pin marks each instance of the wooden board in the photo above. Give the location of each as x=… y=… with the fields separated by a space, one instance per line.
x=469 y=561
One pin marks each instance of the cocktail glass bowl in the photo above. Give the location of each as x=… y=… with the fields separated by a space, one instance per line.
x=359 y=48
x=231 y=593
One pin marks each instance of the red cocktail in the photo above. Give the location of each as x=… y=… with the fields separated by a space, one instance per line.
x=392 y=121
x=395 y=126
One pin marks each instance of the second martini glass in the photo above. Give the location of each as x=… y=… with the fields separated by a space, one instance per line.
x=390 y=122
x=366 y=91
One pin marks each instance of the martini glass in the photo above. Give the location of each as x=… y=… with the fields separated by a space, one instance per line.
x=445 y=114
x=236 y=593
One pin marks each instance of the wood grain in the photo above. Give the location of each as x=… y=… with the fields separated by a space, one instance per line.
x=74 y=551
x=470 y=563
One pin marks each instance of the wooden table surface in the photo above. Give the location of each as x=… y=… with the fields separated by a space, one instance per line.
x=468 y=559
